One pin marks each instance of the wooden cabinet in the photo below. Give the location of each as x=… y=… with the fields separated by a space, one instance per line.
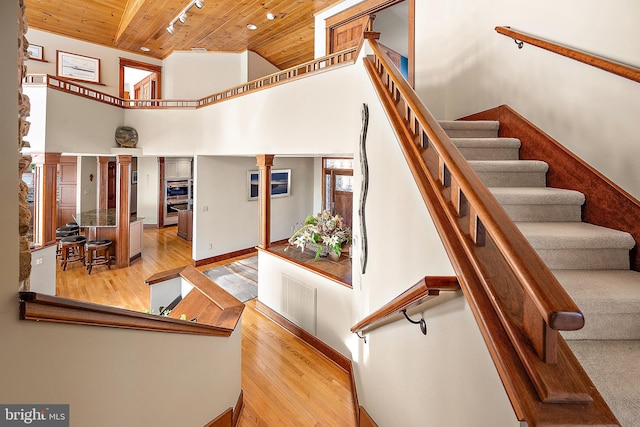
x=185 y=224
x=177 y=168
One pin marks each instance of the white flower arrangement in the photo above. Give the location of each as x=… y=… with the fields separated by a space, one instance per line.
x=323 y=229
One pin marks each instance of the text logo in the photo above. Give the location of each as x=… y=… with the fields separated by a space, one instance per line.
x=34 y=415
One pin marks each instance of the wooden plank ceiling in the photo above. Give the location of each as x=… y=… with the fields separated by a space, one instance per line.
x=221 y=25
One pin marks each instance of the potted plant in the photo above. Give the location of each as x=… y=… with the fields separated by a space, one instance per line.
x=323 y=233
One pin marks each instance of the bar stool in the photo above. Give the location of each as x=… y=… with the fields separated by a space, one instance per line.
x=74 y=224
x=98 y=253
x=62 y=232
x=72 y=249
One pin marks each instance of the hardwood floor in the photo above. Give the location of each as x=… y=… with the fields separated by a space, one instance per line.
x=285 y=381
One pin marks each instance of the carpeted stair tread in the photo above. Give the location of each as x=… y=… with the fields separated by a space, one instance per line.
x=540 y=203
x=511 y=173
x=574 y=235
x=509 y=166
x=470 y=129
x=609 y=300
x=537 y=196
x=617 y=381
x=488 y=148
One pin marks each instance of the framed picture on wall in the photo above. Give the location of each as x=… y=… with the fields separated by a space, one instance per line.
x=78 y=67
x=36 y=52
x=280 y=183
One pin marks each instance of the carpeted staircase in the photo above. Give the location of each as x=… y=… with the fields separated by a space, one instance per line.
x=590 y=261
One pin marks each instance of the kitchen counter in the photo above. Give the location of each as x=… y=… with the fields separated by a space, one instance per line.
x=100 y=218
x=101 y=224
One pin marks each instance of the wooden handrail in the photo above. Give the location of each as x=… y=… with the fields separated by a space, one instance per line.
x=427 y=288
x=517 y=302
x=325 y=63
x=40 y=307
x=628 y=71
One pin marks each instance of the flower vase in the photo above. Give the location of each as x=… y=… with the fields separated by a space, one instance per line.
x=313 y=247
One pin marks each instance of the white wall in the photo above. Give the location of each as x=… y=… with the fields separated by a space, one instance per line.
x=231 y=221
x=87 y=181
x=464 y=66
x=392 y=24
x=298 y=118
x=80 y=125
x=37 y=117
x=109 y=58
x=194 y=75
x=43 y=270
x=148 y=189
x=333 y=300
x=257 y=66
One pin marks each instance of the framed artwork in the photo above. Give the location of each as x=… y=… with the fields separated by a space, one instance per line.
x=78 y=67
x=280 y=183
x=36 y=52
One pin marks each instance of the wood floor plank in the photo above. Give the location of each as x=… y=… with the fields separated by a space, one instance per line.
x=285 y=381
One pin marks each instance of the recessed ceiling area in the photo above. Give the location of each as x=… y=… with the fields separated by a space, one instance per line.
x=219 y=25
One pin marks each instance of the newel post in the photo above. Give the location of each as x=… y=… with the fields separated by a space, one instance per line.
x=264 y=163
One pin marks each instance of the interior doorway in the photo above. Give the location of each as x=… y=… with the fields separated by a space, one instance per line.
x=393 y=19
x=338 y=187
x=139 y=80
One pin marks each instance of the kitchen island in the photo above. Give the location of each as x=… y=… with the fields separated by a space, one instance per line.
x=101 y=224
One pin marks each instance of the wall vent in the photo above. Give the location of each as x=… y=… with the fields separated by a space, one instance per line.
x=199 y=49
x=299 y=302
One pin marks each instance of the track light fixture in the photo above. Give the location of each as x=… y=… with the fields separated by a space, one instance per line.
x=182 y=16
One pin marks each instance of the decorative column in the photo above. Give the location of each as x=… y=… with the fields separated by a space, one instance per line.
x=123 y=220
x=24 y=109
x=49 y=207
x=265 y=161
x=102 y=181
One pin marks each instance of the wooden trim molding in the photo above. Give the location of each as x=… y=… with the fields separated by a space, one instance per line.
x=124 y=62
x=331 y=354
x=627 y=71
x=237 y=410
x=319 y=65
x=357 y=11
x=223 y=257
x=606 y=203
x=427 y=288
x=49 y=207
x=102 y=181
x=309 y=267
x=223 y=420
x=123 y=222
x=39 y=307
x=264 y=163
x=220 y=306
x=365 y=420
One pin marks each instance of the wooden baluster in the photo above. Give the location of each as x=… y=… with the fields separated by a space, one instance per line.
x=543 y=338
